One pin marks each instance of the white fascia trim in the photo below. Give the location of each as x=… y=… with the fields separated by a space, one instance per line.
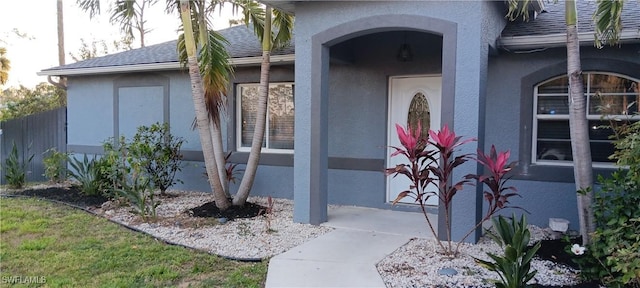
x=554 y=40
x=246 y=61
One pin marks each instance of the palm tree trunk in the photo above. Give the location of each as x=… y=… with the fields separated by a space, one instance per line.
x=579 y=126
x=261 y=117
x=216 y=137
x=202 y=118
x=60 y=20
x=62 y=82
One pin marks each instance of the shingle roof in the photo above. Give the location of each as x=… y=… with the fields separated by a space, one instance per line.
x=552 y=21
x=242 y=43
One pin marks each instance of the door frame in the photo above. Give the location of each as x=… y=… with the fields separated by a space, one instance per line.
x=391 y=134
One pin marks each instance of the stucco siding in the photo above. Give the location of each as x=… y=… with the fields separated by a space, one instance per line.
x=89 y=110
x=543 y=194
x=181 y=110
x=358 y=91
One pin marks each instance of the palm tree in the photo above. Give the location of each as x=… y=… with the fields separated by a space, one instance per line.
x=608 y=26
x=198 y=92
x=5 y=66
x=578 y=125
x=283 y=22
x=209 y=70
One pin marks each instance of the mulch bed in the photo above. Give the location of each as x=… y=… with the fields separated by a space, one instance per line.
x=209 y=209
x=73 y=196
x=70 y=195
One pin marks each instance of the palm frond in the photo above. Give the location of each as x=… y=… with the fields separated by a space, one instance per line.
x=172 y=6
x=517 y=9
x=215 y=69
x=91 y=6
x=213 y=60
x=124 y=14
x=608 y=21
x=253 y=15
x=283 y=22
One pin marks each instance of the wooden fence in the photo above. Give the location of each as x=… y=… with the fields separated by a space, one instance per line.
x=33 y=135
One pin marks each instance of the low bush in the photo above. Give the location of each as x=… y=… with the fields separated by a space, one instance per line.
x=158 y=153
x=55 y=165
x=87 y=174
x=16 y=170
x=613 y=256
x=515 y=265
x=136 y=190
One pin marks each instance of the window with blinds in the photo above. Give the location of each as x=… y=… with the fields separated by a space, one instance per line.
x=611 y=99
x=280 y=117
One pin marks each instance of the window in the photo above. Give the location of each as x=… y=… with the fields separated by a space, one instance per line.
x=280 y=117
x=610 y=97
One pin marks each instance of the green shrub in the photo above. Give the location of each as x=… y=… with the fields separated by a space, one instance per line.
x=127 y=177
x=159 y=154
x=16 y=170
x=613 y=255
x=513 y=267
x=55 y=165
x=87 y=172
x=114 y=166
x=136 y=191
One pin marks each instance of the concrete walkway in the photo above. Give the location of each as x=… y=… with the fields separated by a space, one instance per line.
x=346 y=257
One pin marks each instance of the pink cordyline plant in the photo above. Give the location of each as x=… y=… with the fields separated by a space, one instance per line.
x=434 y=165
x=413 y=148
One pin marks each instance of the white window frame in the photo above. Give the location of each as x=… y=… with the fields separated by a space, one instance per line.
x=588 y=93
x=238 y=128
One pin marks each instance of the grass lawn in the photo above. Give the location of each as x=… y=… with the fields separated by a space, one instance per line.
x=66 y=247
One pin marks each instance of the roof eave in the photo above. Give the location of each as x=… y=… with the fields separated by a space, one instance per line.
x=287 y=6
x=557 y=40
x=238 y=62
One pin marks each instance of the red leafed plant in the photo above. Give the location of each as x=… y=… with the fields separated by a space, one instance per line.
x=432 y=162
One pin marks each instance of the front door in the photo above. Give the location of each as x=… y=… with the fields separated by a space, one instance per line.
x=411 y=100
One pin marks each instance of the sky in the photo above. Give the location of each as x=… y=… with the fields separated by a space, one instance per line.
x=39 y=49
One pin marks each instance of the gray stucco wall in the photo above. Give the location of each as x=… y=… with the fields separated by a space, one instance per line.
x=322 y=25
x=91 y=122
x=89 y=110
x=547 y=191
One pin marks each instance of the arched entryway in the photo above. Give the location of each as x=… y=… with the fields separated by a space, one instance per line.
x=326 y=67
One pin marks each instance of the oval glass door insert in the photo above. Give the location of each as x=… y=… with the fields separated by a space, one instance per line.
x=419 y=113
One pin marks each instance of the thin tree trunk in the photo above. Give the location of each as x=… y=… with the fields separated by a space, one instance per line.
x=61 y=55
x=62 y=82
x=141 y=24
x=579 y=126
x=202 y=118
x=214 y=125
x=216 y=138
x=261 y=117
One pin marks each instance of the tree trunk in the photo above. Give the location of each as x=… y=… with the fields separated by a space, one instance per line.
x=202 y=118
x=61 y=55
x=579 y=127
x=60 y=33
x=261 y=117
x=216 y=137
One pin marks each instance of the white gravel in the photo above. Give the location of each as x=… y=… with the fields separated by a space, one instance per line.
x=240 y=238
x=415 y=264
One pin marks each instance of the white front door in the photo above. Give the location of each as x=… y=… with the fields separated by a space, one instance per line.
x=411 y=99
